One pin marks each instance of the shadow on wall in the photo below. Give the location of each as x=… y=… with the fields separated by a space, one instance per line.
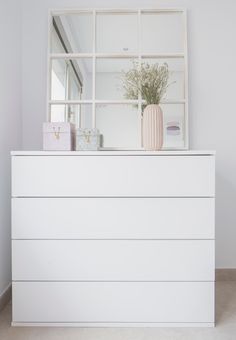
x=225 y=221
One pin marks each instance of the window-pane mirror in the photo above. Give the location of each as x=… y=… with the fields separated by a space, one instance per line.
x=162 y=32
x=174 y=125
x=176 y=88
x=109 y=77
x=72 y=33
x=78 y=114
x=89 y=53
x=117 y=33
x=71 y=79
x=119 y=125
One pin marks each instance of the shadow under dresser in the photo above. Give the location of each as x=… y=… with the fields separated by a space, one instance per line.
x=122 y=238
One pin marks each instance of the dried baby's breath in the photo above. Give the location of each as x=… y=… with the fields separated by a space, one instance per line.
x=151 y=81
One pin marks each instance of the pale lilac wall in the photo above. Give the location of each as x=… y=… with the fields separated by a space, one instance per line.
x=10 y=122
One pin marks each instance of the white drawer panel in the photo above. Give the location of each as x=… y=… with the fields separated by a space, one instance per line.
x=113 y=176
x=113 y=302
x=133 y=260
x=113 y=218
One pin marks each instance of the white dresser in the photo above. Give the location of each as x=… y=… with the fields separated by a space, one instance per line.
x=113 y=238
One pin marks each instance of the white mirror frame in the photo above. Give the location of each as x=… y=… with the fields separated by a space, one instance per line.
x=139 y=55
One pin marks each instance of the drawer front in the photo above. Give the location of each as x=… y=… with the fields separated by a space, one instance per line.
x=113 y=302
x=37 y=176
x=113 y=218
x=93 y=260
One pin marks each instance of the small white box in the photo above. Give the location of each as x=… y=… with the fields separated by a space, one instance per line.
x=87 y=139
x=58 y=136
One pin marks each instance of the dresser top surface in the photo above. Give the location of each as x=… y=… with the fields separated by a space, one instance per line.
x=115 y=153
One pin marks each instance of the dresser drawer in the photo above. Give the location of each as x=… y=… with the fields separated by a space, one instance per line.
x=84 y=176
x=131 y=260
x=113 y=302
x=113 y=218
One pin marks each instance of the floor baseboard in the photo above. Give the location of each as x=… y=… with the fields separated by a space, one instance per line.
x=226 y=274
x=5 y=297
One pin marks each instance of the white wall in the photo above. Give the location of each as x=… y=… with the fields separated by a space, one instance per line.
x=212 y=86
x=10 y=122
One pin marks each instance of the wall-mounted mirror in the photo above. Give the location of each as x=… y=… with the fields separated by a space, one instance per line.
x=89 y=52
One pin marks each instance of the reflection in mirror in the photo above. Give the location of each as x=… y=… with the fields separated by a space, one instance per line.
x=109 y=77
x=72 y=33
x=57 y=44
x=162 y=32
x=174 y=125
x=84 y=116
x=58 y=113
x=58 y=79
x=119 y=125
x=117 y=33
x=175 y=90
x=71 y=79
x=111 y=41
x=79 y=114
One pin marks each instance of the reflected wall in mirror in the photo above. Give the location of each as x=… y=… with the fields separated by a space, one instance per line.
x=109 y=85
x=162 y=32
x=89 y=52
x=117 y=32
x=125 y=122
x=78 y=114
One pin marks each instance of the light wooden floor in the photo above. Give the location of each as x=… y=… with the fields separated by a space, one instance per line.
x=224 y=330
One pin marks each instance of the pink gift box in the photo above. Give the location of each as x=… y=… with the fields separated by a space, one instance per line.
x=58 y=136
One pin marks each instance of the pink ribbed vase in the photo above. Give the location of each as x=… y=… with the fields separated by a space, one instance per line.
x=152 y=127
